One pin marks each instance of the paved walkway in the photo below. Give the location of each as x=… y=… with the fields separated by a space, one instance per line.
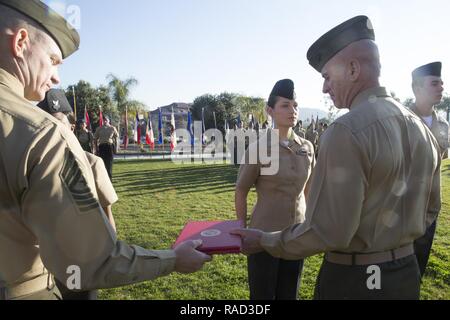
x=168 y=156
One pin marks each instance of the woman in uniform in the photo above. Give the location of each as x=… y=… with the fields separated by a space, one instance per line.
x=281 y=198
x=85 y=137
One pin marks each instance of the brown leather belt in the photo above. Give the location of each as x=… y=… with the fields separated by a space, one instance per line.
x=364 y=259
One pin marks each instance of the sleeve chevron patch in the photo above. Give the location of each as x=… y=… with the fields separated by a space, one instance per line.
x=75 y=181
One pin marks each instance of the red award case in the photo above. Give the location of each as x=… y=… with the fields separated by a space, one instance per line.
x=215 y=236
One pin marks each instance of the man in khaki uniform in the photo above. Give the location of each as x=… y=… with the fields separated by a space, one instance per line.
x=428 y=89
x=299 y=130
x=375 y=187
x=56 y=104
x=105 y=139
x=51 y=222
x=311 y=134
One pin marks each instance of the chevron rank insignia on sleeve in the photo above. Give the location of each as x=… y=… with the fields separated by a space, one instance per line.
x=76 y=183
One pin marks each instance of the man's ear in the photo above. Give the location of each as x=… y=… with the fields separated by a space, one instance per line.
x=20 y=43
x=269 y=111
x=354 y=70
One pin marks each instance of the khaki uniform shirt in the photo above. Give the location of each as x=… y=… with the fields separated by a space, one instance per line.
x=281 y=200
x=301 y=132
x=105 y=190
x=440 y=130
x=312 y=136
x=86 y=140
x=377 y=175
x=106 y=134
x=49 y=212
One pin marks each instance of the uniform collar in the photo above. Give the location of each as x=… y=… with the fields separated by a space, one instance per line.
x=293 y=140
x=368 y=95
x=8 y=80
x=297 y=139
x=433 y=114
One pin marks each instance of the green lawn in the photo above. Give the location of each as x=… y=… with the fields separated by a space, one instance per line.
x=156 y=200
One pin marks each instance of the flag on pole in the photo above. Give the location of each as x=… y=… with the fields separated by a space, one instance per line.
x=203 y=126
x=239 y=122
x=160 y=127
x=189 y=128
x=125 y=134
x=173 y=134
x=100 y=121
x=215 y=122
x=227 y=128
x=149 y=137
x=137 y=130
x=251 y=122
x=87 y=119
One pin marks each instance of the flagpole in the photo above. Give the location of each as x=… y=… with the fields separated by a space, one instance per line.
x=74 y=103
x=118 y=130
x=160 y=129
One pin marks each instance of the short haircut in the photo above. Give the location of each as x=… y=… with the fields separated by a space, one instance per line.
x=14 y=20
x=417 y=82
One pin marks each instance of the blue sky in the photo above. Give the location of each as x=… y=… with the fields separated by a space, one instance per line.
x=181 y=49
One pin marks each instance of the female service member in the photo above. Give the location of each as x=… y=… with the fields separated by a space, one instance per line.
x=280 y=197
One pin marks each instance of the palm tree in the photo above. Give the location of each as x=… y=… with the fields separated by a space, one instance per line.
x=120 y=93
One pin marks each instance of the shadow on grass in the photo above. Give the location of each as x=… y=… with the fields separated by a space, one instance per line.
x=184 y=179
x=445 y=169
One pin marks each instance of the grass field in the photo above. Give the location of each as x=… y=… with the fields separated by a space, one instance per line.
x=156 y=200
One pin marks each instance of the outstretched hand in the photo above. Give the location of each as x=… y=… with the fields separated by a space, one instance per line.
x=250 y=240
x=188 y=259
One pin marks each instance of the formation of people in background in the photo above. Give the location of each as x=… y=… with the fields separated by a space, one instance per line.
x=371 y=199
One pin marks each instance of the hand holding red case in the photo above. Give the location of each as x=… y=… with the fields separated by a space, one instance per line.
x=215 y=236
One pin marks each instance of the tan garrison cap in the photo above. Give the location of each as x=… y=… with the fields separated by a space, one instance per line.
x=57 y=27
x=355 y=29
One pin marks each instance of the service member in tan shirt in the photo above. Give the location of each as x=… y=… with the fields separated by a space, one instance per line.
x=428 y=88
x=375 y=187
x=56 y=104
x=105 y=140
x=281 y=198
x=51 y=222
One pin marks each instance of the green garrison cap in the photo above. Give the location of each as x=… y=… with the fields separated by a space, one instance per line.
x=57 y=27
x=55 y=101
x=355 y=29
x=283 y=88
x=431 y=69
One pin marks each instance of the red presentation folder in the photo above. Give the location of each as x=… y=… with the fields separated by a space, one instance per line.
x=215 y=236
